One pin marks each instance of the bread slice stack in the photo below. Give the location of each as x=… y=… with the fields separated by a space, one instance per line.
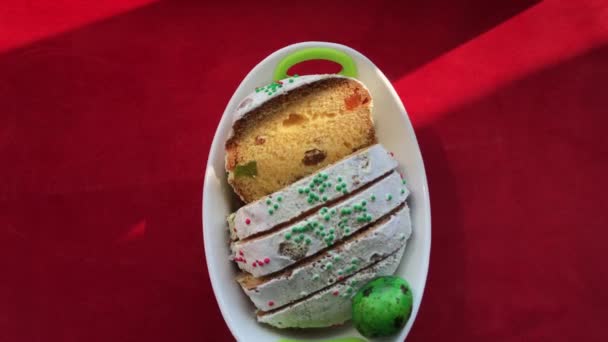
x=307 y=248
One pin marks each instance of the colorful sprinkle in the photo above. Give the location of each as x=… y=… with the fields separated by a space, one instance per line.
x=280 y=199
x=328 y=266
x=270 y=211
x=373 y=198
x=267 y=260
x=270 y=303
x=336 y=293
x=254 y=264
x=389 y=197
x=327 y=217
x=268 y=202
x=287 y=236
x=308 y=241
x=300 y=190
x=276 y=206
x=241 y=253
x=315 y=277
x=402 y=191
x=403 y=182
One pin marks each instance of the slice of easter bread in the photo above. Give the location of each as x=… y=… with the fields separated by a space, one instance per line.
x=294 y=127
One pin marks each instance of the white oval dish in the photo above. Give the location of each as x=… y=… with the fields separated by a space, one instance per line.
x=394 y=131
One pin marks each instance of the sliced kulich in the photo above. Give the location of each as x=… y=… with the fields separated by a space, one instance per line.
x=312 y=192
x=359 y=251
x=332 y=305
x=294 y=127
x=273 y=252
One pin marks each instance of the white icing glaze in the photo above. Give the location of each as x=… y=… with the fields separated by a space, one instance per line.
x=325 y=309
x=269 y=247
x=357 y=170
x=379 y=242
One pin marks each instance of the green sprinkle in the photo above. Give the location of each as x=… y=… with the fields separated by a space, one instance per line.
x=347 y=230
x=300 y=190
x=328 y=266
x=349 y=290
x=325 y=176
x=301 y=237
x=327 y=217
x=295 y=230
x=344 y=191
x=357 y=207
x=311 y=185
x=307 y=190
x=331 y=231
x=324 y=198
x=337 y=258
x=328 y=184
x=339 y=179
x=402 y=191
x=355 y=261
x=308 y=241
x=280 y=199
x=389 y=197
x=322 y=233
x=321 y=227
x=321 y=190
x=403 y=181
x=290 y=80
x=373 y=198
x=338 y=187
x=270 y=211
x=340 y=272
x=276 y=206
x=310 y=201
x=315 y=277
x=363 y=203
x=314 y=224
x=287 y=236
x=268 y=202
x=295 y=75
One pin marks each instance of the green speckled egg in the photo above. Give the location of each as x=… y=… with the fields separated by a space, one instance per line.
x=382 y=306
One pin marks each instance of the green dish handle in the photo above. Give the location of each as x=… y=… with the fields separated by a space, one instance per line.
x=349 y=67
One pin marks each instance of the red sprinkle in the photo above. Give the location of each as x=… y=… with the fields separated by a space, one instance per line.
x=270 y=303
x=247 y=221
x=254 y=264
x=267 y=260
x=391 y=153
x=340 y=278
x=261 y=263
x=335 y=293
x=241 y=253
x=279 y=82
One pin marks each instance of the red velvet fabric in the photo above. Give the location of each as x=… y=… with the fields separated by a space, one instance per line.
x=108 y=109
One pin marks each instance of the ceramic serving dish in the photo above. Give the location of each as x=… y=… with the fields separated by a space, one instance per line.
x=394 y=131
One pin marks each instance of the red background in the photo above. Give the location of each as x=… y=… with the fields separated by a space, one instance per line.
x=108 y=109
